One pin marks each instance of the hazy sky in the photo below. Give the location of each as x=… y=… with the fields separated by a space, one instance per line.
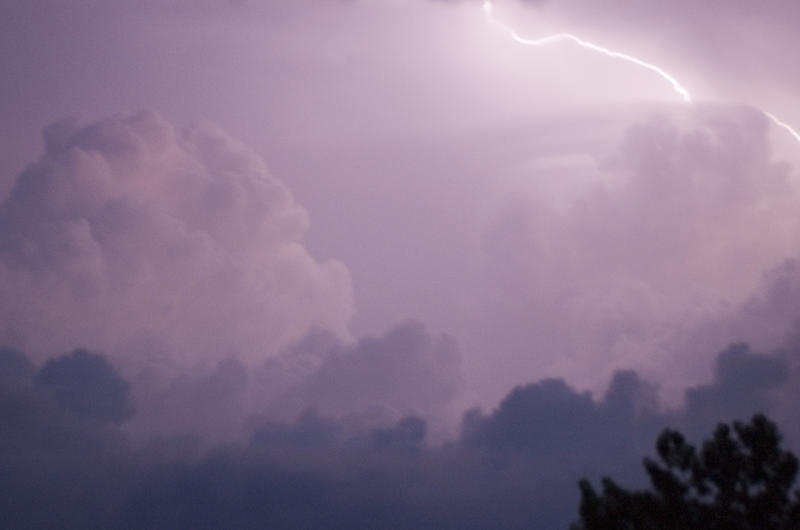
x=263 y=214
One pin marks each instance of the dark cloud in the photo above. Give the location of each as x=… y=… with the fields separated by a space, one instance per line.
x=514 y=467
x=550 y=407
x=409 y=434
x=744 y=384
x=62 y=455
x=86 y=383
x=370 y=383
x=210 y=405
x=309 y=432
x=15 y=366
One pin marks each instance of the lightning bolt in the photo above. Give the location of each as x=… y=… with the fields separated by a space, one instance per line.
x=488 y=8
x=783 y=124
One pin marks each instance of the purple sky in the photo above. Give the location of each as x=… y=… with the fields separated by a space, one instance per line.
x=374 y=209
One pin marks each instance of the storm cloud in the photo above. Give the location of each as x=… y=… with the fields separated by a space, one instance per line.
x=474 y=272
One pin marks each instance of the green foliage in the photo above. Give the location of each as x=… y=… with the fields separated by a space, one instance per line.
x=740 y=479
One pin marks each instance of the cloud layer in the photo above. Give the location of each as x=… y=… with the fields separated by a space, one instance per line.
x=68 y=464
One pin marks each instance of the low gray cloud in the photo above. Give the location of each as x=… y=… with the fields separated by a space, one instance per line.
x=744 y=384
x=369 y=383
x=86 y=383
x=515 y=466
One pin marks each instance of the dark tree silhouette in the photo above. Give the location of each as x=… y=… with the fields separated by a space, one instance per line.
x=740 y=479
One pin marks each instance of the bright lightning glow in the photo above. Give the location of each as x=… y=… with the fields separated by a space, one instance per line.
x=544 y=41
x=488 y=8
x=785 y=125
x=617 y=55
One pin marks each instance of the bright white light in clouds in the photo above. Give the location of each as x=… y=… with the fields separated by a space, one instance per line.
x=782 y=124
x=488 y=8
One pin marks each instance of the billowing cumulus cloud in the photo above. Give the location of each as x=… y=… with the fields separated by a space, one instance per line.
x=644 y=253
x=137 y=238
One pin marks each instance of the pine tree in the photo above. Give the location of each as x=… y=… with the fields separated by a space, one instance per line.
x=740 y=479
